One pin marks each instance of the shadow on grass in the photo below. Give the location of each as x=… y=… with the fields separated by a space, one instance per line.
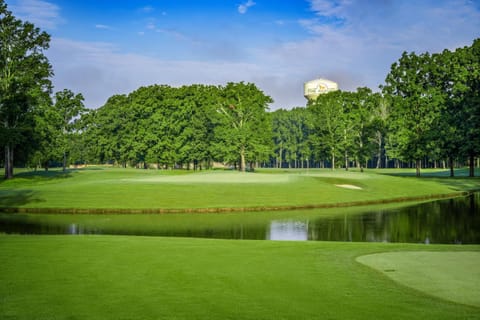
x=429 y=173
x=16 y=198
x=37 y=176
x=460 y=182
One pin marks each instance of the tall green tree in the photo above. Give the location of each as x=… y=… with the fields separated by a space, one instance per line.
x=328 y=124
x=365 y=123
x=467 y=100
x=24 y=80
x=416 y=106
x=69 y=107
x=244 y=126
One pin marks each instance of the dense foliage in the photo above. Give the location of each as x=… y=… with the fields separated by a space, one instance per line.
x=190 y=126
x=24 y=83
x=428 y=114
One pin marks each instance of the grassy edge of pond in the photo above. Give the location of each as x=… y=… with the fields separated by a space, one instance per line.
x=121 y=277
x=103 y=190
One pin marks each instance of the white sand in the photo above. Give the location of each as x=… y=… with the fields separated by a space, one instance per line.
x=348 y=186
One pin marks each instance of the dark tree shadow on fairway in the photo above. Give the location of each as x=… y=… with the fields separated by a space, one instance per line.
x=459 y=173
x=16 y=198
x=460 y=182
x=45 y=175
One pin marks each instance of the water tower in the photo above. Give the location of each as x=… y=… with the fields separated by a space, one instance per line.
x=313 y=88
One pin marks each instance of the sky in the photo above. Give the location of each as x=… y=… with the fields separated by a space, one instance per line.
x=104 y=47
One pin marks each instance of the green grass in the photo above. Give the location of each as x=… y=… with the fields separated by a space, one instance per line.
x=121 y=277
x=110 y=188
x=452 y=276
x=104 y=277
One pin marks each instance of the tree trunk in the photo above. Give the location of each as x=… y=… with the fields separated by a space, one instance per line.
x=8 y=162
x=379 y=153
x=279 y=163
x=242 y=159
x=64 y=161
x=346 y=161
x=418 y=165
x=333 y=159
x=471 y=163
x=451 y=163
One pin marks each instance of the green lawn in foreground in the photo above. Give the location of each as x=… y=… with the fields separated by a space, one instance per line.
x=143 y=189
x=104 y=277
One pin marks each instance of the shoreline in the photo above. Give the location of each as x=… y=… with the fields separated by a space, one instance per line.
x=100 y=211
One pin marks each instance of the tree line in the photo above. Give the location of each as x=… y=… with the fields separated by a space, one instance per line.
x=428 y=111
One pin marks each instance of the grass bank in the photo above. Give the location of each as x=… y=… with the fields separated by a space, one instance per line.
x=104 y=277
x=102 y=190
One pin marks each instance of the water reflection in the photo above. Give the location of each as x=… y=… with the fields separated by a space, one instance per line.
x=453 y=221
x=288 y=230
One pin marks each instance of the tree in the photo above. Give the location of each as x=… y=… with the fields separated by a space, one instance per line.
x=365 y=124
x=290 y=136
x=24 y=80
x=467 y=100
x=416 y=106
x=243 y=122
x=281 y=132
x=69 y=107
x=328 y=122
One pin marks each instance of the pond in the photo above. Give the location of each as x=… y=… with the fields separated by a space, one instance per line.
x=452 y=221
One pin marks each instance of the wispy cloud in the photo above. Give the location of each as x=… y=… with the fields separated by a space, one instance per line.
x=353 y=43
x=172 y=33
x=243 y=8
x=147 y=9
x=41 y=13
x=103 y=26
x=98 y=70
x=327 y=7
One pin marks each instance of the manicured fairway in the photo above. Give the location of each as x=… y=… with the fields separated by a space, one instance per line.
x=114 y=188
x=105 y=277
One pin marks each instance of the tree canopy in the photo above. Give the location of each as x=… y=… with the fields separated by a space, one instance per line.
x=24 y=81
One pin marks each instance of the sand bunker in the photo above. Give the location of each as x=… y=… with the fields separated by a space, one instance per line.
x=348 y=186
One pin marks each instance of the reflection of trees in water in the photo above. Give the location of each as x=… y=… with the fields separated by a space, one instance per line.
x=447 y=221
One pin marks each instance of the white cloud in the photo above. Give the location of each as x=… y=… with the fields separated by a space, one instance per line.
x=103 y=26
x=243 y=8
x=99 y=71
x=41 y=13
x=356 y=52
x=327 y=7
x=147 y=9
x=371 y=35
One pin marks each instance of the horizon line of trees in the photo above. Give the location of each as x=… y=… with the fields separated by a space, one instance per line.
x=428 y=112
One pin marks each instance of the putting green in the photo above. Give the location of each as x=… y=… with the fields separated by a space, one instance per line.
x=453 y=276
x=219 y=177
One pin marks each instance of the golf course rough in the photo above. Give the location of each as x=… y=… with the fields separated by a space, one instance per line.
x=453 y=276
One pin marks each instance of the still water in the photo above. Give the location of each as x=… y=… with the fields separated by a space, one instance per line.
x=452 y=221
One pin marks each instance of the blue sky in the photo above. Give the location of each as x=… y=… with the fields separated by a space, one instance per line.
x=105 y=47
